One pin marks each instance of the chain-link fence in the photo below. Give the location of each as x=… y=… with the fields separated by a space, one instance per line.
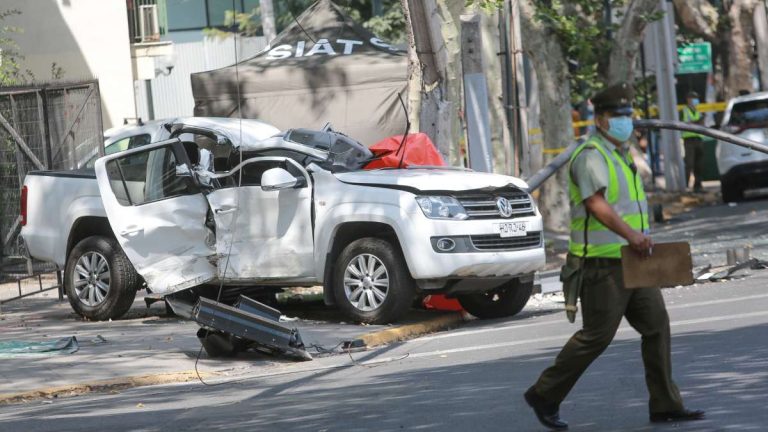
x=45 y=127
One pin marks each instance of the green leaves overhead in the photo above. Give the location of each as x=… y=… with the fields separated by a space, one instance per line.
x=584 y=30
x=390 y=25
x=489 y=6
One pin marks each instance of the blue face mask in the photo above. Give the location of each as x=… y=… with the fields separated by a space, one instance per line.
x=694 y=101
x=620 y=128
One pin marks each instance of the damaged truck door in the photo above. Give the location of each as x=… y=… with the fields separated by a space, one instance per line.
x=264 y=227
x=157 y=213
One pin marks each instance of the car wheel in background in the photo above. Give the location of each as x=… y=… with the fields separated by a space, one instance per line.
x=731 y=191
x=371 y=281
x=99 y=280
x=504 y=301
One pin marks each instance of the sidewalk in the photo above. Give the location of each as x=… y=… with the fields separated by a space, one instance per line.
x=148 y=343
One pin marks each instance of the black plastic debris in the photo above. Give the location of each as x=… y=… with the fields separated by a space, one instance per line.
x=721 y=273
x=227 y=330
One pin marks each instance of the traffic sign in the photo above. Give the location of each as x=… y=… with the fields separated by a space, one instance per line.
x=694 y=58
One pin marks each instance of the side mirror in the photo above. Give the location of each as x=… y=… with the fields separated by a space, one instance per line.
x=276 y=179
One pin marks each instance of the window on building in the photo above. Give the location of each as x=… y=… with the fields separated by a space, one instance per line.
x=187 y=14
x=200 y=14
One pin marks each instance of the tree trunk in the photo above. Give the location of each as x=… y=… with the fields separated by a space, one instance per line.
x=268 y=20
x=739 y=45
x=549 y=62
x=626 y=43
x=699 y=17
x=414 y=71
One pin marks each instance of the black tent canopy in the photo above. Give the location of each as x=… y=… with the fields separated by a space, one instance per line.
x=322 y=68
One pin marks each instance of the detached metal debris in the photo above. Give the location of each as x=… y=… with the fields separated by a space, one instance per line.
x=711 y=274
x=226 y=330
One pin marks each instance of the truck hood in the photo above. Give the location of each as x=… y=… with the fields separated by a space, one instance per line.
x=430 y=179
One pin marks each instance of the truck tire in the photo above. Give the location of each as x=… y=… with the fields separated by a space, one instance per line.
x=372 y=283
x=99 y=280
x=505 y=301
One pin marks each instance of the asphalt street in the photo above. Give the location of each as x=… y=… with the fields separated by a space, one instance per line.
x=467 y=379
x=472 y=378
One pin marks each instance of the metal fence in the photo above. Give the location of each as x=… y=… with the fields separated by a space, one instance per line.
x=42 y=127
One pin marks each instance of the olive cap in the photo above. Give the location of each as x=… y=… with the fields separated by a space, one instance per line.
x=616 y=99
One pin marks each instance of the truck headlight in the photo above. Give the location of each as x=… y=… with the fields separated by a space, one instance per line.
x=441 y=207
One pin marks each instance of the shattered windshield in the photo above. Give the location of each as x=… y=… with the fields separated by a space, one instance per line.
x=344 y=153
x=348 y=155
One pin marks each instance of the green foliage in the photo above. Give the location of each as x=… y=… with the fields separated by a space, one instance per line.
x=389 y=26
x=583 y=32
x=489 y=6
x=10 y=70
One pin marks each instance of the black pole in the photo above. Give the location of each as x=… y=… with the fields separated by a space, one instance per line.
x=647 y=109
x=543 y=174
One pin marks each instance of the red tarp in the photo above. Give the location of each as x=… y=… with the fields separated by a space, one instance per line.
x=417 y=150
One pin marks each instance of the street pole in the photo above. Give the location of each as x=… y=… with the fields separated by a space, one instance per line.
x=651 y=137
x=150 y=99
x=475 y=95
x=662 y=35
x=520 y=98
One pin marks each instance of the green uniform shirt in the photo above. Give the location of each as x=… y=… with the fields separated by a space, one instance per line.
x=589 y=170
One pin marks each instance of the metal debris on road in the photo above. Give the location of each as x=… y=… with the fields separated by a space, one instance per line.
x=226 y=330
x=717 y=274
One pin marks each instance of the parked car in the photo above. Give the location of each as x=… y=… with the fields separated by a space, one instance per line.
x=239 y=208
x=742 y=169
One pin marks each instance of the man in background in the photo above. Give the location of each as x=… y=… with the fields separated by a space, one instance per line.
x=693 y=143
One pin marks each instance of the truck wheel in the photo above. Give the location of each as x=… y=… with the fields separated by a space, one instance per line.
x=99 y=280
x=372 y=283
x=505 y=301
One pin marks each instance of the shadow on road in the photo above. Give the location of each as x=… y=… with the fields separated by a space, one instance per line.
x=723 y=372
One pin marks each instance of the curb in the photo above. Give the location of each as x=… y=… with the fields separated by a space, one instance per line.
x=102 y=386
x=383 y=337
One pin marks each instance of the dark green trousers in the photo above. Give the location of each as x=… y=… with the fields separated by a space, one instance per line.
x=604 y=302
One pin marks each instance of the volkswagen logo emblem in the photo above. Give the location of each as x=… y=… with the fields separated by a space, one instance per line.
x=504 y=206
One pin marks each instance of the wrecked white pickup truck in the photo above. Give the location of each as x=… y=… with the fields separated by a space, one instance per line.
x=228 y=207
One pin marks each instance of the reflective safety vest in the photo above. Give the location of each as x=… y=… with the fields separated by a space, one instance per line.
x=625 y=194
x=690 y=116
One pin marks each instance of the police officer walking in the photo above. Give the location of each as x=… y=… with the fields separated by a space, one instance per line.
x=692 y=142
x=608 y=210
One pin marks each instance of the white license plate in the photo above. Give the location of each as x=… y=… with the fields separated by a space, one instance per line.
x=511 y=229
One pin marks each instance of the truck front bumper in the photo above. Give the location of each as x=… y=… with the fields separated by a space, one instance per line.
x=478 y=250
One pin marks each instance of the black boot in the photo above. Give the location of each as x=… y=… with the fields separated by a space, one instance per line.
x=677 y=416
x=547 y=412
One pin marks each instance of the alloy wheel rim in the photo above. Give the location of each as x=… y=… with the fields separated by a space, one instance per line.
x=366 y=282
x=91 y=278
